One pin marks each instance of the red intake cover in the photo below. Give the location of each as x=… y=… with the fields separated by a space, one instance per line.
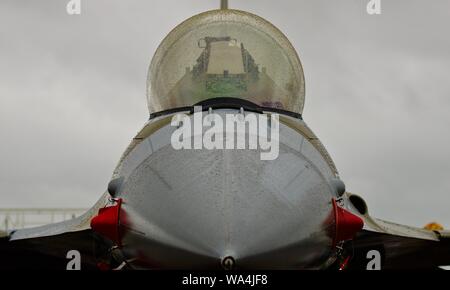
x=347 y=224
x=107 y=222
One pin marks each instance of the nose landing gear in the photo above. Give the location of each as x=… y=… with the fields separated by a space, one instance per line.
x=228 y=263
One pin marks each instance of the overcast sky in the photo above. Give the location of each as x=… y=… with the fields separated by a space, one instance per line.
x=72 y=94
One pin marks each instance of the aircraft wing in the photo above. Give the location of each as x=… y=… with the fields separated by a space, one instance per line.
x=400 y=246
x=47 y=246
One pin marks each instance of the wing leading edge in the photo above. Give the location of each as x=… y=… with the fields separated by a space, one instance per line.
x=399 y=246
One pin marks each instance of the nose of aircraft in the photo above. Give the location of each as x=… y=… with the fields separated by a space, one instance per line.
x=193 y=208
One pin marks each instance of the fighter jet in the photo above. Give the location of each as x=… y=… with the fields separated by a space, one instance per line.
x=221 y=208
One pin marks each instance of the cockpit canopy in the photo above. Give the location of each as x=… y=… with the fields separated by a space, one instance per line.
x=225 y=53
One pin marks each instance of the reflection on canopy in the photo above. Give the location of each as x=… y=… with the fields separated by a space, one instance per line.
x=225 y=53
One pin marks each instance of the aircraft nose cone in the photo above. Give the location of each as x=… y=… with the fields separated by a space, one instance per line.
x=229 y=203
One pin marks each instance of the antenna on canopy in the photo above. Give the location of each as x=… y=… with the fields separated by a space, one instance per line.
x=223 y=4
